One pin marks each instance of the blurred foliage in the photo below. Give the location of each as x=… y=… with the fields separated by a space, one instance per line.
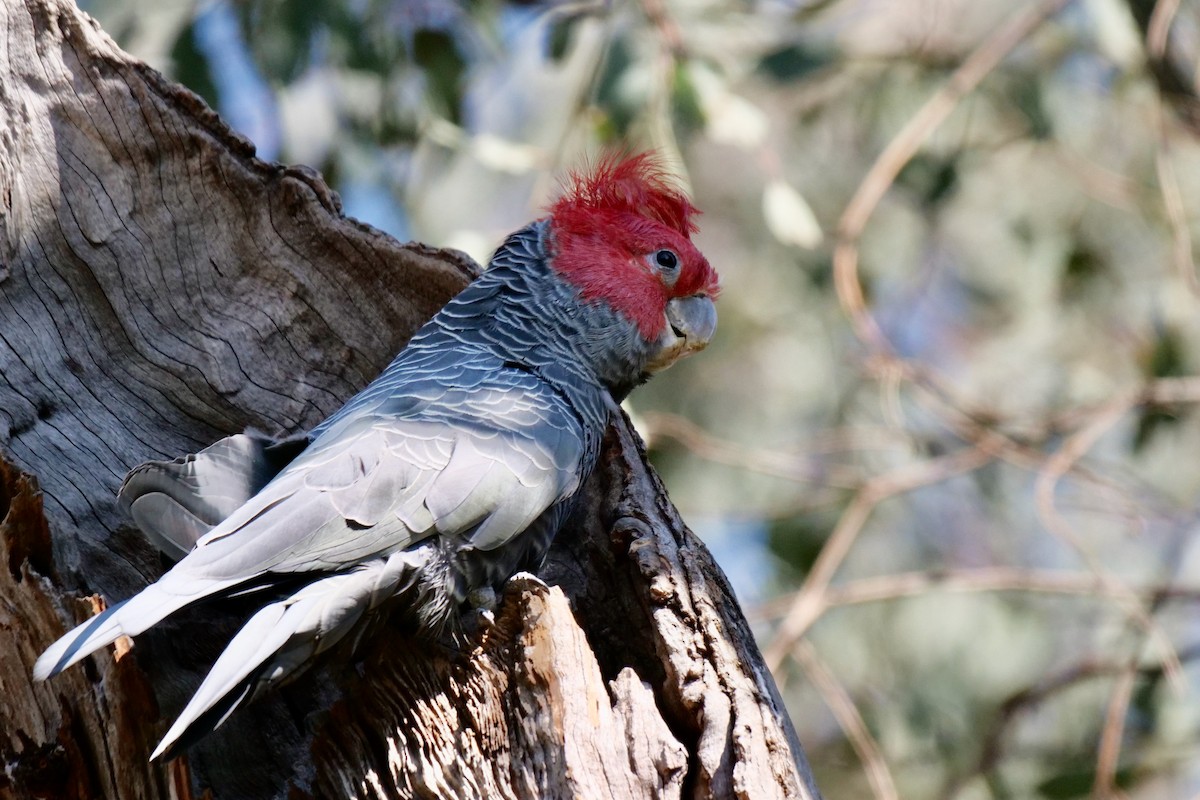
x=1023 y=442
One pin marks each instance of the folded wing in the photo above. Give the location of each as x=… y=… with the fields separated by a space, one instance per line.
x=176 y=502
x=348 y=511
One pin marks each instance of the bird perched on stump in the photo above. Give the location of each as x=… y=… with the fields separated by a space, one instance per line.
x=449 y=473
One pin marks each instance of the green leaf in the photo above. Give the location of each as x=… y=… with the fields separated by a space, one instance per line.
x=1079 y=783
x=1084 y=266
x=686 y=111
x=560 y=37
x=620 y=114
x=191 y=67
x=1167 y=359
x=793 y=62
x=798 y=539
x=1026 y=93
x=281 y=33
x=933 y=178
x=437 y=55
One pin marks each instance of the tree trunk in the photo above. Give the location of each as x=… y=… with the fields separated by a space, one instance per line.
x=160 y=287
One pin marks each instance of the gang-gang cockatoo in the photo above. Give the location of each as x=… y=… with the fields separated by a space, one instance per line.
x=449 y=473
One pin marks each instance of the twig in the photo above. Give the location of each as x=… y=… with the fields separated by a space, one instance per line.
x=657 y=15
x=1109 y=751
x=810 y=602
x=791 y=466
x=989 y=579
x=1174 y=84
x=985 y=431
x=1160 y=26
x=984 y=579
x=846 y=713
x=902 y=148
x=1056 y=466
x=1103 y=184
x=1067 y=678
x=1181 y=237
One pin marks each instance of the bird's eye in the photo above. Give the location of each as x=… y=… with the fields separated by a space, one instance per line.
x=666 y=259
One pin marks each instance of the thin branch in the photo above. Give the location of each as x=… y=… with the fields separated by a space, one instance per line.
x=790 y=466
x=883 y=786
x=1154 y=18
x=1109 y=751
x=994 y=435
x=885 y=588
x=1054 y=684
x=900 y=151
x=1181 y=237
x=810 y=602
x=1099 y=182
x=1074 y=448
x=1160 y=27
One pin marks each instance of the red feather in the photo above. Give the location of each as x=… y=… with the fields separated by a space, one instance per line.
x=637 y=185
x=610 y=219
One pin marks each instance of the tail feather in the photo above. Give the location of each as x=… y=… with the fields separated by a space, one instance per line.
x=175 y=503
x=280 y=641
x=151 y=605
x=102 y=629
x=231 y=678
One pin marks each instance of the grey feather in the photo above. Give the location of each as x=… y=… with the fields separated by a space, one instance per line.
x=451 y=471
x=176 y=502
x=135 y=615
x=282 y=638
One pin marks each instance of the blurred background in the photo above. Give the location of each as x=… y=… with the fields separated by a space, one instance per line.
x=945 y=443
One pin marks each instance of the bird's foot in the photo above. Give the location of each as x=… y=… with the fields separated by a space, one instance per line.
x=480 y=616
x=482 y=599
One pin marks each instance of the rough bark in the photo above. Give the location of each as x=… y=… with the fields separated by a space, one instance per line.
x=160 y=287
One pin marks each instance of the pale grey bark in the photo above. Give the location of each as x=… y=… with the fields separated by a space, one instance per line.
x=159 y=288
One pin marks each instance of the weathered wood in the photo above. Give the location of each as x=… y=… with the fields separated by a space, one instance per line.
x=530 y=704
x=93 y=749
x=161 y=287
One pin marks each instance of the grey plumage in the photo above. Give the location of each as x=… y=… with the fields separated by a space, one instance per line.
x=176 y=502
x=420 y=483
x=449 y=473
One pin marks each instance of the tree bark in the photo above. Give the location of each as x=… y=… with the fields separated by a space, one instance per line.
x=160 y=287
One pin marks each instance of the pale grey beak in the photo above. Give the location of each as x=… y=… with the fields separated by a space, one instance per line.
x=691 y=323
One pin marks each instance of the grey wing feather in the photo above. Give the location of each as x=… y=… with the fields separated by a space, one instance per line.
x=176 y=502
x=129 y=618
x=398 y=481
x=307 y=518
x=281 y=639
x=452 y=441
x=476 y=467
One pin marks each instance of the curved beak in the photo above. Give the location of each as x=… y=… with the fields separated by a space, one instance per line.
x=691 y=322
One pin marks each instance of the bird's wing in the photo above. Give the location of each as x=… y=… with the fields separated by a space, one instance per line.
x=369 y=487
x=177 y=502
x=282 y=638
x=379 y=483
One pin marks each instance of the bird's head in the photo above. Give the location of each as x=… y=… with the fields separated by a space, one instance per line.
x=622 y=235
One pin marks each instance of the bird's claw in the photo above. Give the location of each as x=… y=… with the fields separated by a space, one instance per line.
x=480 y=617
x=529 y=577
x=483 y=599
